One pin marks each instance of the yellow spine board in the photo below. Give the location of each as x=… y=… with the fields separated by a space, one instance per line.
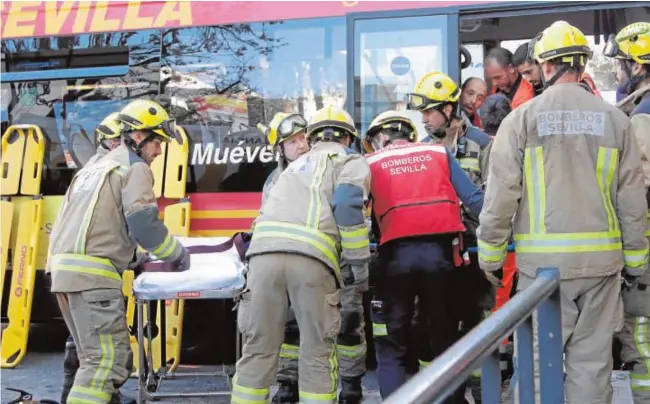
x=14 y=337
x=7 y=219
x=13 y=150
x=30 y=183
x=176 y=167
x=158 y=169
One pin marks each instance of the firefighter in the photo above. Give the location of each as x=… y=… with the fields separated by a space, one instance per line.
x=631 y=48
x=414 y=193
x=108 y=208
x=466 y=143
x=108 y=136
x=286 y=134
x=578 y=150
x=312 y=216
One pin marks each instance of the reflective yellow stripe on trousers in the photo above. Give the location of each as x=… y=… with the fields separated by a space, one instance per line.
x=289 y=351
x=538 y=241
x=248 y=395
x=641 y=381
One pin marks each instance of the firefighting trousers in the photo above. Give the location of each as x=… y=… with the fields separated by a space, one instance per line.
x=635 y=341
x=350 y=343
x=274 y=280
x=422 y=269
x=478 y=295
x=592 y=311
x=97 y=321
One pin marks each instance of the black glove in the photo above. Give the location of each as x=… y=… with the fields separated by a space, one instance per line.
x=495 y=277
x=628 y=282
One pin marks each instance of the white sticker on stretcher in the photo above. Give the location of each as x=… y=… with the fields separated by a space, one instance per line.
x=213 y=271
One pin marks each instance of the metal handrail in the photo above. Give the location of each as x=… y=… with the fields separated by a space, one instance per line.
x=444 y=375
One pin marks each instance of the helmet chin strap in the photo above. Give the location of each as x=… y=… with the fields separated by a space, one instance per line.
x=633 y=81
x=137 y=147
x=442 y=131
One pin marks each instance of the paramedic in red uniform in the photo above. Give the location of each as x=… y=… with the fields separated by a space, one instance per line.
x=415 y=188
x=505 y=77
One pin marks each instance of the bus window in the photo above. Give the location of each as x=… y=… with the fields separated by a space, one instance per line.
x=222 y=81
x=510 y=32
x=69 y=110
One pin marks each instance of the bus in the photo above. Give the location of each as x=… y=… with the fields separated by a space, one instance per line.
x=223 y=67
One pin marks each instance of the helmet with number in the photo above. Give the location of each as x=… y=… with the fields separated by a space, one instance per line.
x=434 y=90
x=562 y=41
x=109 y=128
x=631 y=43
x=282 y=127
x=395 y=124
x=330 y=123
x=148 y=116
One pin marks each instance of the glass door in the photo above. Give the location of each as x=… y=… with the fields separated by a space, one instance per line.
x=391 y=54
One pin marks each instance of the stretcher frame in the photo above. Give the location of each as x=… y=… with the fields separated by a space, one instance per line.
x=151 y=380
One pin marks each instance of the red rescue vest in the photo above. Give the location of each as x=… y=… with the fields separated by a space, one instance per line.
x=411 y=190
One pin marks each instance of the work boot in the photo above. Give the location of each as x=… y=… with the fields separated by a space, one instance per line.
x=351 y=392
x=287 y=393
x=119 y=398
x=70 y=366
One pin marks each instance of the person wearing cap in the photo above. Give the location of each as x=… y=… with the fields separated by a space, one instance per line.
x=415 y=191
x=109 y=209
x=570 y=189
x=311 y=220
x=631 y=49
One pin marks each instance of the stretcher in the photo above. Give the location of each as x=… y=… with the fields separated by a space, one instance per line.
x=218 y=271
x=21 y=168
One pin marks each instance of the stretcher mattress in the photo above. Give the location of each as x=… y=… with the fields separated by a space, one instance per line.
x=212 y=275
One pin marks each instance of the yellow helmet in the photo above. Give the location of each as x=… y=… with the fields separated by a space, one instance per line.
x=109 y=128
x=631 y=43
x=396 y=120
x=561 y=40
x=433 y=90
x=148 y=115
x=330 y=123
x=282 y=127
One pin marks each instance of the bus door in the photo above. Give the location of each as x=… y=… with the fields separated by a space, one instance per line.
x=390 y=54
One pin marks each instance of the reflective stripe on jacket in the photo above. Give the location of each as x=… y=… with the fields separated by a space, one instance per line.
x=108 y=210
x=567 y=168
x=316 y=208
